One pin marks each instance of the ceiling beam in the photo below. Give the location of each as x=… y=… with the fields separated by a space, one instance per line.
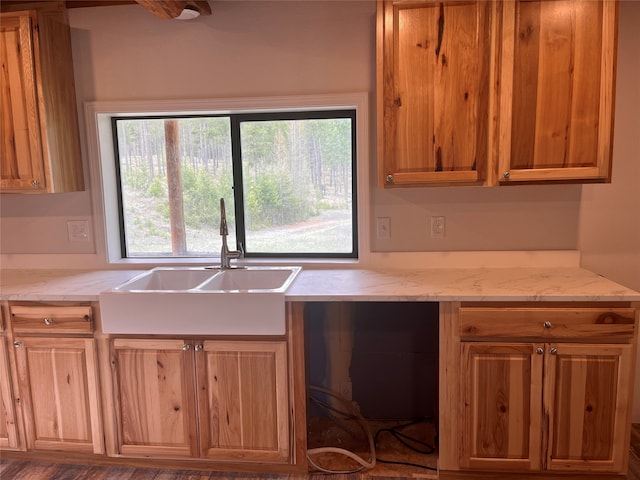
x=173 y=8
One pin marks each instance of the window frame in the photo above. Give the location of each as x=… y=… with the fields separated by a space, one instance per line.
x=100 y=148
x=235 y=122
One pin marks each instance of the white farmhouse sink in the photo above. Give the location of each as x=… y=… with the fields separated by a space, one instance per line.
x=199 y=301
x=163 y=279
x=250 y=279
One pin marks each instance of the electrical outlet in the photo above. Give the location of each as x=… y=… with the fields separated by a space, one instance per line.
x=438 y=225
x=383 y=228
x=78 y=230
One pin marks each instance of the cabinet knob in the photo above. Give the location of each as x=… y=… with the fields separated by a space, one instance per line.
x=389 y=178
x=506 y=175
x=35 y=183
x=547 y=324
x=553 y=351
x=17 y=344
x=48 y=321
x=199 y=347
x=539 y=350
x=186 y=347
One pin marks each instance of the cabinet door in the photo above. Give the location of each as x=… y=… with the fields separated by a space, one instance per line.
x=502 y=407
x=243 y=400
x=435 y=64
x=587 y=401
x=557 y=81
x=8 y=430
x=155 y=397
x=59 y=388
x=21 y=157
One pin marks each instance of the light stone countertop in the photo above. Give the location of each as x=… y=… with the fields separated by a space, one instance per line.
x=60 y=285
x=437 y=284
x=458 y=284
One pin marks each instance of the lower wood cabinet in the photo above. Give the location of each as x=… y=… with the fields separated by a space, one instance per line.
x=539 y=388
x=57 y=376
x=59 y=392
x=218 y=399
x=243 y=400
x=545 y=406
x=8 y=427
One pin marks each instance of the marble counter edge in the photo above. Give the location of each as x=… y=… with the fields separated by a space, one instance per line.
x=420 y=285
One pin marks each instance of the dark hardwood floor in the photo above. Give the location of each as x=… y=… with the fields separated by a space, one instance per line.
x=23 y=470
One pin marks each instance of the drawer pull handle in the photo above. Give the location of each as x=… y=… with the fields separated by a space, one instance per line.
x=539 y=350
x=48 y=321
x=547 y=324
x=553 y=351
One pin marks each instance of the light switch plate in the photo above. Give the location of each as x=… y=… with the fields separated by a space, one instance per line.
x=383 y=228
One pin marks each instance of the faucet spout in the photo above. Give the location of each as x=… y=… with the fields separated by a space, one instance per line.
x=223 y=219
x=225 y=254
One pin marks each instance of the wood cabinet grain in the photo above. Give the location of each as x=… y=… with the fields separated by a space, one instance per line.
x=244 y=413
x=58 y=383
x=538 y=388
x=568 y=401
x=557 y=75
x=56 y=386
x=155 y=391
x=225 y=400
x=40 y=148
x=435 y=62
x=495 y=92
x=502 y=394
x=8 y=428
x=586 y=401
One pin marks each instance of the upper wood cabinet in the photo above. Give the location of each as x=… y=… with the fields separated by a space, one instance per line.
x=495 y=92
x=434 y=77
x=40 y=147
x=557 y=90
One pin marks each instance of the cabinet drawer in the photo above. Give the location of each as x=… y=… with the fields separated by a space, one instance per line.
x=52 y=319
x=548 y=323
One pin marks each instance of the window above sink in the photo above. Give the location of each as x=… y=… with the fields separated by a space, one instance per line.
x=281 y=117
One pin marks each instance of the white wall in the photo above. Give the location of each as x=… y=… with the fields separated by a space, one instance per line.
x=260 y=48
x=609 y=226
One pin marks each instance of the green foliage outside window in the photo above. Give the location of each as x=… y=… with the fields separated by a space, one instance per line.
x=292 y=171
